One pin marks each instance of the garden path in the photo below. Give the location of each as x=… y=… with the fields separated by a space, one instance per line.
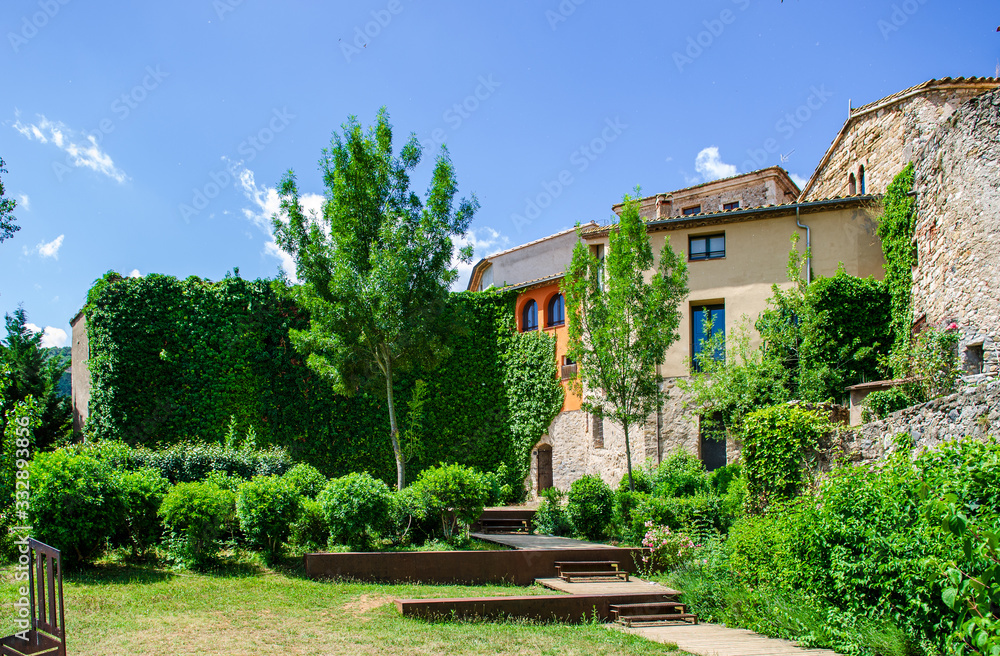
x=718 y=640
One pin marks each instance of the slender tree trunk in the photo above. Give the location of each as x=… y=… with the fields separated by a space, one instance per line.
x=628 y=458
x=394 y=429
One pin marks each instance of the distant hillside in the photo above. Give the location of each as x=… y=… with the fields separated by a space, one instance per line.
x=65 y=385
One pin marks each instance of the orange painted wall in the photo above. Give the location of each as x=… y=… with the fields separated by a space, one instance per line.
x=542 y=295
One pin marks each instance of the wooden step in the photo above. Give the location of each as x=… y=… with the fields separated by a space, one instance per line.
x=588 y=563
x=507 y=525
x=651 y=608
x=616 y=574
x=631 y=620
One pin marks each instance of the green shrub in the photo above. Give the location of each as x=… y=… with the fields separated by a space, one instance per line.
x=407 y=512
x=720 y=479
x=589 y=506
x=266 y=507
x=225 y=480
x=74 y=503
x=305 y=478
x=699 y=517
x=641 y=479
x=356 y=507
x=622 y=512
x=779 y=444
x=550 y=518
x=455 y=493
x=189 y=462
x=194 y=515
x=309 y=532
x=141 y=492
x=680 y=474
x=882 y=403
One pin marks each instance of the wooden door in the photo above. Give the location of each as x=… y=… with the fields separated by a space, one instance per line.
x=544 y=467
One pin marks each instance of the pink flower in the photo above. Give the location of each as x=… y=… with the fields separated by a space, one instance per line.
x=952 y=326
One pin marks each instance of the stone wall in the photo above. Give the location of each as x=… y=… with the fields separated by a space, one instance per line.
x=957 y=278
x=579 y=446
x=971 y=413
x=886 y=135
x=79 y=372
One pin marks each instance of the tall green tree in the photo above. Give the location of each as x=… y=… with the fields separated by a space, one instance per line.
x=620 y=324
x=377 y=264
x=34 y=373
x=7 y=221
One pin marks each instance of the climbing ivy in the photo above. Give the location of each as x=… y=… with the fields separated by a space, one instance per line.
x=187 y=360
x=895 y=228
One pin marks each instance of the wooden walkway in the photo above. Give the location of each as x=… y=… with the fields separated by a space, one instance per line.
x=524 y=541
x=717 y=640
x=632 y=586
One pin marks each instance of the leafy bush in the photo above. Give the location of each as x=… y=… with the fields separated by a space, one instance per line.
x=407 y=512
x=189 y=462
x=455 y=493
x=681 y=474
x=305 y=478
x=226 y=481
x=74 y=503
x=641 y=479
x=194 y=515
x=356 y=507
x=550 y=517
x=266 y=507
x=882 y=403
x=700 y=517
x=141 y=492
x=589 y=506
x=778 y=445
x=501 y=489
x=720 y=479
x=309 y=532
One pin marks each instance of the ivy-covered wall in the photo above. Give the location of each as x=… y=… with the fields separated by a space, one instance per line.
x=177 y=360
x=895 y=229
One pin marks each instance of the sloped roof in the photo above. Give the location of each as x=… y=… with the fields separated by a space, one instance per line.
x=882 y=103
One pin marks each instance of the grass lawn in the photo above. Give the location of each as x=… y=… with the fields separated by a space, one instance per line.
x=248 y=609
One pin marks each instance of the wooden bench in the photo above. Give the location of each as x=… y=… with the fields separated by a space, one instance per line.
x=503 y=525
x=568 y=570
x=44 y=627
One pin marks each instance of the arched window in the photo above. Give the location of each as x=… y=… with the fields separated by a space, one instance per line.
x=861 y=178
x=852 y=185
x=529 y=317
x=557 y=311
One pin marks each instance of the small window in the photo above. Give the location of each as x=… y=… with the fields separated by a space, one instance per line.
x=598 y=423
x=557 y=311
x=861 y=178
x=852 y=185
x=568 y=368
x=707 y=247
x=597 y=251
x=974 y=359
x=735 y=205
x=687 y=211
x=712 y=436
x=529 y=317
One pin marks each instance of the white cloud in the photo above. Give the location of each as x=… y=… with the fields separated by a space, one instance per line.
x=24 y=202
x=485 y=242
x=135 y=274
x=50 y=336
x=266 y=204
x=50 y=249
x=82 y=150
x=710 y=165
x=799 y=180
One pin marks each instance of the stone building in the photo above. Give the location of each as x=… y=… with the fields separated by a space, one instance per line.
x=879 y=139
x=957 y=277
x=770 y=186
x=736 y=252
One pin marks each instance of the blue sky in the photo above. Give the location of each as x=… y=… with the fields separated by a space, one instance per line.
x=148 y=137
